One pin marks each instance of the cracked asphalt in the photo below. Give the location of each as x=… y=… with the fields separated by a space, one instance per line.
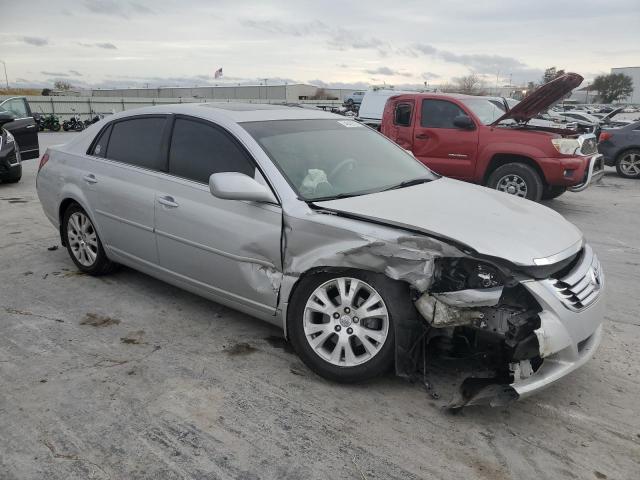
x=125 y=377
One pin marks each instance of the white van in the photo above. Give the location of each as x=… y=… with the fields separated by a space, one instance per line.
x=372 y=106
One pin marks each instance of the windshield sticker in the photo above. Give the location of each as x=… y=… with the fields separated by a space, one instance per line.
x=349 y=123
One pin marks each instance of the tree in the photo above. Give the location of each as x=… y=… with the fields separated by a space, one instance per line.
x=62 y=85
x=46 y=92
x=613 y=87
x=551 y=73
x=469 y=84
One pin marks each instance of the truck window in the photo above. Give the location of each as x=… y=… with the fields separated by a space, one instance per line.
x=402 y=116
x=439 y=113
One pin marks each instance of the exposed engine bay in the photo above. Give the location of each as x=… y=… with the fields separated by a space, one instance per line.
x=472 y=312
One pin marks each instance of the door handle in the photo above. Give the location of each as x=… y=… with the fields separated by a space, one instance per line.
x=31 y=126
x=167 y=201
x=422 y=136
x=91 y=179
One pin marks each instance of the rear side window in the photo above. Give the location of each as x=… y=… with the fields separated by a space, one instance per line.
x=199 y=150
x=100 y=145
x=137 y=142
x=402 y=116
x=439 y=113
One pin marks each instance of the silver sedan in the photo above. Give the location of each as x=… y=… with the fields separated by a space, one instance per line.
x=364 y=257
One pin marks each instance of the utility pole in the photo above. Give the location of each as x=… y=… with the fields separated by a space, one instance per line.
x=497 y=75
x=6 y=79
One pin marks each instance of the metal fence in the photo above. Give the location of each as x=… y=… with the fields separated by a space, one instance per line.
x=87 y=107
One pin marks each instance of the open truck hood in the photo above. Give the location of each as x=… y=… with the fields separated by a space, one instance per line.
x=542 y=98
x=491 y=222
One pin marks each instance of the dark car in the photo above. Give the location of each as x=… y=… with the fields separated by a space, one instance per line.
x=10 y=168
x=23 y=126
x=621 y=148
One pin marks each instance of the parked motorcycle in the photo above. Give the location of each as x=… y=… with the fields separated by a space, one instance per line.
x=74 y=123
x=93 y=120
x=49 y=121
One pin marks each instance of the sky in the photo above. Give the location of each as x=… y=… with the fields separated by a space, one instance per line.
x=133 y=43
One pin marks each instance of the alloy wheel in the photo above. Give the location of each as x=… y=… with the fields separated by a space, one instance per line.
x=82 y=238
x=630 y=164
x=513 y=185
x=346 y=321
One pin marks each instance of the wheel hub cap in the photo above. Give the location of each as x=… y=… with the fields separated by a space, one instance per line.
x=513 y=185
x=346 y=321
x=83 y=239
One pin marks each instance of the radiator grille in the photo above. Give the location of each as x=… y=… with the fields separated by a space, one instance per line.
x=580 y=287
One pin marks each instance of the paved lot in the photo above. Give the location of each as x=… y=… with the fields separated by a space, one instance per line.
x=124 y=377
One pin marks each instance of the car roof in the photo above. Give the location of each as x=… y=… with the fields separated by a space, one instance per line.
x=232 y=111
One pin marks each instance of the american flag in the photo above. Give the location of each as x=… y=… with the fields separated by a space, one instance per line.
x=218 y=73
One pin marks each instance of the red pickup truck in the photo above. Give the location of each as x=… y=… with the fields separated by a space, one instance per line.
x=481 y=140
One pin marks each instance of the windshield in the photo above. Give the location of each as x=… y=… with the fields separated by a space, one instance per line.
x=486 y=110
x=323 y=159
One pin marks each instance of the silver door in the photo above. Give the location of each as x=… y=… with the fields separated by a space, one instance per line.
x=123 y=201
x=229 y=247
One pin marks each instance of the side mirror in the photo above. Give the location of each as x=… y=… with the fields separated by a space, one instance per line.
x=238 y=186
x=464 y=122
x=6 y=117
x=36 y=116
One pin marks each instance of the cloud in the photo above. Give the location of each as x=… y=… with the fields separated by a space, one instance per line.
x=105 y=45
x=429 y=76
x=55 y=74
x=286 y=28
x=388 y=72
x=116 y=8
x=478 y=63
x=35 y=41
x=338 y=38
x=75 y=72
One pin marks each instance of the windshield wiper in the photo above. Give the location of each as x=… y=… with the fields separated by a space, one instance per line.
x=408 y=183
x=336 y=197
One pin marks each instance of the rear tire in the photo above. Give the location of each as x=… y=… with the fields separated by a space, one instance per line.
x=350 y=340
x=83 y=243
x=517 y=179
x=14 y=176
x=55 y=127
x=628 y=164
x=553 y=191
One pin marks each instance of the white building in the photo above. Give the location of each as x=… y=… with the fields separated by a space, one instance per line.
x=634 y=73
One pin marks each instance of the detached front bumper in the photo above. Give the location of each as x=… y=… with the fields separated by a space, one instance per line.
x=593 y=173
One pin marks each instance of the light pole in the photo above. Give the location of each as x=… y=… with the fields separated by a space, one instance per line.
x=6 y=79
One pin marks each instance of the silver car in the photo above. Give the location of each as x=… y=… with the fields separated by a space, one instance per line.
x=365 y=258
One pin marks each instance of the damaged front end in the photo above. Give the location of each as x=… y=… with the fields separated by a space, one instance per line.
x=474 y=312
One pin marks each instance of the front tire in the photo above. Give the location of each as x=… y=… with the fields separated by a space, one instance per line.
x=55 y=127
x=628 y=164
x=14 y=176
x=517 y=179
x=341 y=324
x=83 y=243
x=553 y=191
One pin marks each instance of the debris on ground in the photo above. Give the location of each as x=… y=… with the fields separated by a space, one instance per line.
x=134 y=338
x=96 y=320
x=240 y=349
x=52 y=248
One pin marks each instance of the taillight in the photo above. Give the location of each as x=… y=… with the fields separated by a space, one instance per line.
x=43 y=161
x=604 y=136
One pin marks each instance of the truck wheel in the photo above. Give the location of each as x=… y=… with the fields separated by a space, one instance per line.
x=628 y=164
x=517 y=179
x=553 y=191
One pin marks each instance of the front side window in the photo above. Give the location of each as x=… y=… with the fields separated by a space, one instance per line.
x=323 y=159
x=138 y=142
x=403 y=114
x=439 y=113
x=16 y=106
x=198 y=150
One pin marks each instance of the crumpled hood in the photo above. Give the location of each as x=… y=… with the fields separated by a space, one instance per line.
x=491 y=222
x=542 y=98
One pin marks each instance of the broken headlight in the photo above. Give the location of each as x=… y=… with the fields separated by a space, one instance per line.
x=463 y=273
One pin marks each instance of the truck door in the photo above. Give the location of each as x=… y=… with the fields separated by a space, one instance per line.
x=400 y=129
x=441 y=145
